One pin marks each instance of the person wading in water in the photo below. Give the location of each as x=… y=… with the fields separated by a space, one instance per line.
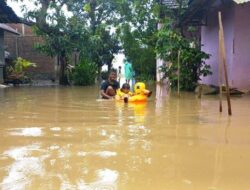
x=128 y=70
x=109 y=87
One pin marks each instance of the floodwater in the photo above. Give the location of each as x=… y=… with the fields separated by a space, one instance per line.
x=65 y=138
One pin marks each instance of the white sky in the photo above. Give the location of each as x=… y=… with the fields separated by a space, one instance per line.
x=17 y=6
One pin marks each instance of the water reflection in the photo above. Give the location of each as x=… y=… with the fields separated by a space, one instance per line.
x=24 y=166
x=63 y=138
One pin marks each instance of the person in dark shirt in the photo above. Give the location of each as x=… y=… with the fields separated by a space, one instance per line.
x=109 y=87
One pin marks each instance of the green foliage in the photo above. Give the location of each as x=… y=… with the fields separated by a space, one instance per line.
x=98 y=17
x=141 y=55
x=90 y=30
x=192 y=64
x=137 y=35
x=16 y=72
x=100 y=47
x=147 y=78
x=21 y=65
x=84 y=74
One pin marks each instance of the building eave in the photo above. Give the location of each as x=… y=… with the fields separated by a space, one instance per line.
x=6 y=28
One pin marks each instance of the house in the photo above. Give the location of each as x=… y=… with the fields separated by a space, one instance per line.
x=236 y=22
x=7 y=15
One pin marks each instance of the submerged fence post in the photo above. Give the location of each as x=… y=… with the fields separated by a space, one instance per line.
x=223 y=58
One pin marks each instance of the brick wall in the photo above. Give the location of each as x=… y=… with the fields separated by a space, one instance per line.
x=23 y=29
x=23 y=46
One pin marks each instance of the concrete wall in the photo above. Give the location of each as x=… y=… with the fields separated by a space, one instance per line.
x=241 y=62
x=210 y=41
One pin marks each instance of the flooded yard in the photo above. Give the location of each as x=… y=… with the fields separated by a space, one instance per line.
x=66 y=138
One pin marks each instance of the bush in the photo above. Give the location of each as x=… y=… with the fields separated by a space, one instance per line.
x=192 y=59
x=84 y=74
x=16 y=72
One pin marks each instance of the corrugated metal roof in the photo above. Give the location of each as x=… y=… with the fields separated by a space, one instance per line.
x=8 y=29
x=241 y=1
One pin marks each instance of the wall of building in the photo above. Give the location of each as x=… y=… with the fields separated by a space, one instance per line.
x=23 y=29
x=210 y=41
x=23 y=46
x=241 y=63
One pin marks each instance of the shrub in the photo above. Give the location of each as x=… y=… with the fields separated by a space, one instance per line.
x=16 y=72
x=84 y=73
x=192 y=59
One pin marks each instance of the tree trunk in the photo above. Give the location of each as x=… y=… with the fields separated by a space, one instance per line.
x=63 y=80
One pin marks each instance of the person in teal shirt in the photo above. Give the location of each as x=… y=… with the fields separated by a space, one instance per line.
x=128 y=70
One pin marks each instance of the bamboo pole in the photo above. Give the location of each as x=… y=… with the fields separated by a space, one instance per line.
x=223 y=55
x=220 y=72
x=178 y=65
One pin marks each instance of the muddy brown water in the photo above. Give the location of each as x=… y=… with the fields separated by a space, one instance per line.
x=65 y=138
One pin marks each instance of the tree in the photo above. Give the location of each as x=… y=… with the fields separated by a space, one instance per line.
x=137 y=33
x=99 y=17
x=192 y=65
x=87 y=28
x=59 y=31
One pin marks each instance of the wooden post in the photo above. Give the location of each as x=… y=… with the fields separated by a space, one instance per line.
x=223 y=56
x=220 y=72
x=178 y=64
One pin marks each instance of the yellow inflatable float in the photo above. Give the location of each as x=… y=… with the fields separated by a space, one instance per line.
x=140 y=94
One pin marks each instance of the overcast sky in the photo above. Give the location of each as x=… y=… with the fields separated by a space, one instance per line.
x=17 y=6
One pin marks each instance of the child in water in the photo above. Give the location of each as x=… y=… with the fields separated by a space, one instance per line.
x=124 y=93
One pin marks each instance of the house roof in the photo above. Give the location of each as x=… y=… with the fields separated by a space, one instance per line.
x=8 y=29
x=7 y=15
